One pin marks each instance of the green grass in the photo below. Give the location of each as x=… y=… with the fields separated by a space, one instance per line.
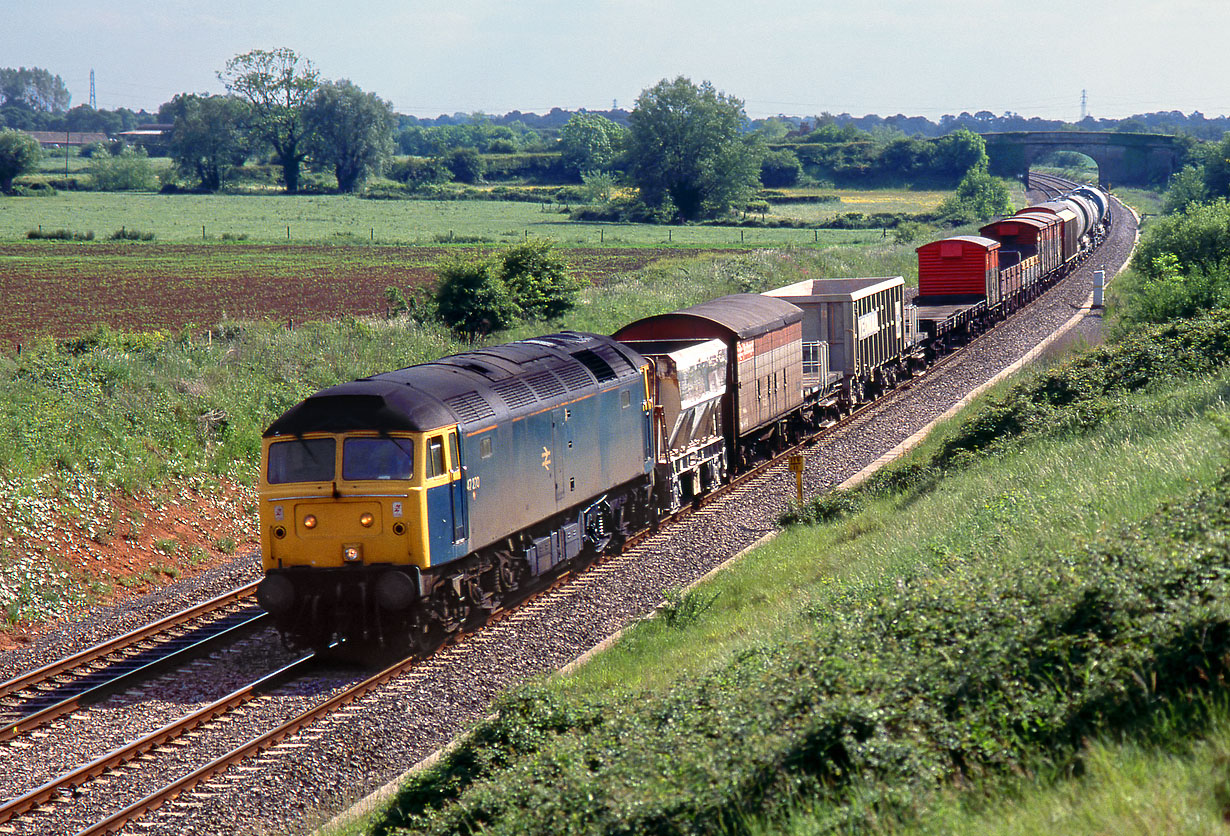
x=1144 y=201
x=1126 y=789
x=1013 y=507
x=342 y=218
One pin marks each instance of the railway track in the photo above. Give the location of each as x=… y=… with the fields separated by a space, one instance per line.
x=35 y=698
x=302 y=720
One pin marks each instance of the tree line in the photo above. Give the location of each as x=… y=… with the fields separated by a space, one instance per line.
x=688 y=151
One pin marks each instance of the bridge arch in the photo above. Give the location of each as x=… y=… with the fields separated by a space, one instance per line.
x=1123 y=158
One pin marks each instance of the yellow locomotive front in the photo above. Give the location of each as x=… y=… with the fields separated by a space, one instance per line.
x=345 y=527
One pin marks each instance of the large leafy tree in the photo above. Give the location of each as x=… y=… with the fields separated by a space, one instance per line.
x=590 y=142
x=687 y=152
x=19 y=153
x=210 y=138
x=33 y=89
x=278 y=84
x=351 y=131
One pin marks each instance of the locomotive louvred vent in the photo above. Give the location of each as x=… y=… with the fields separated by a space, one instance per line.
x=545 y=385
x=514 y=392
x=617 y=362
x=575 y=378
x=601 y=368
x=469 y=407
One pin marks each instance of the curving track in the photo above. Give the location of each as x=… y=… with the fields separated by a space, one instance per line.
x=306 y=762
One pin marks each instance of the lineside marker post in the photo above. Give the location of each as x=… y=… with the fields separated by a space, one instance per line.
x=1099 y=283
x=796 y=467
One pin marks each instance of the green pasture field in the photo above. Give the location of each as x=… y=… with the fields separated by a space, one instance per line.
x=867 y=202
x=343 y=218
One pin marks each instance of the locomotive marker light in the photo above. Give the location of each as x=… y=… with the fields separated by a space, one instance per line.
x=796 y=467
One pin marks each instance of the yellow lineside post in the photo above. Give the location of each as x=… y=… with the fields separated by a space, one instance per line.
x=796 y=467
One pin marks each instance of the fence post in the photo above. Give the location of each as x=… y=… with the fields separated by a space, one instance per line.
x=202 y=232
x=288 y=233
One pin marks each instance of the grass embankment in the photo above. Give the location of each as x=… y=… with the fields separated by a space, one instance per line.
x=1051 y=569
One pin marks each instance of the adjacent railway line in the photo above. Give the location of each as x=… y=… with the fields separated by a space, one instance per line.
x=314 y=736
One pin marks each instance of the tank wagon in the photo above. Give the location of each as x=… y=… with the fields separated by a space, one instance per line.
x=968 y=283
x=396 y=508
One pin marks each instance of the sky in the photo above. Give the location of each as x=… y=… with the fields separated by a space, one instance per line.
x=794 y=57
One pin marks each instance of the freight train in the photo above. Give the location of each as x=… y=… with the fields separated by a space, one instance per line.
x=397 y=508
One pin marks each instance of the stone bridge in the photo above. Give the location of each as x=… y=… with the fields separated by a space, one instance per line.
x=1124 y=159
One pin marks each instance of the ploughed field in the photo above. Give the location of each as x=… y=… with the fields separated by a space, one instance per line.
x=64 y=289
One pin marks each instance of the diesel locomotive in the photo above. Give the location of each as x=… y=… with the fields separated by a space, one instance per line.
x=397 y=508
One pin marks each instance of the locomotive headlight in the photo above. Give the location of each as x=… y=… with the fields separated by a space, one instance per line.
x=309 y=521
x=366 y=520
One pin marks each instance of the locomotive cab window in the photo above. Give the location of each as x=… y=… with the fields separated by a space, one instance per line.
x=435 y=456
x=301 y=460
x=454 y=458
x=377 y=458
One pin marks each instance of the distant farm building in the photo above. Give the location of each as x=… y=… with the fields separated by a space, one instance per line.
x=153 y=136
x=72 y=139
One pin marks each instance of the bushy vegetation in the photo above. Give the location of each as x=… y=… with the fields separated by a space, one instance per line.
x=19 y=153
x=128 y=170
x=526 y=281
x=1070 y=398
x=1181 y=267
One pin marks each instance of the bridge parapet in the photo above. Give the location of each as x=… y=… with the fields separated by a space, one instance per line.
x=1122 y=158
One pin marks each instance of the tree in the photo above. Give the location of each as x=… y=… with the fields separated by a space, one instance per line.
x=350 y=130
x=210 y=137
x=590 y=142
x=473 y=298
x=465 y=164
x=34 y=89
x=129 y=170
x=19 y=153
x=979 y=197
x=780 y=168
x=959 y=152
x=1186 y=187
x=525 y=281
x=538 y=279
x=277 y=84
x=686 y=149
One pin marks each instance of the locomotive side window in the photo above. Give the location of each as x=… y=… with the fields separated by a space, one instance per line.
x=435 y=456
x=377 y=458
x=485 y=448
x=625 y=398
x=301 y=460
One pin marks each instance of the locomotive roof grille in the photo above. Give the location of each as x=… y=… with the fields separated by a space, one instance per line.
x=469 y=406
x=600 y=367
x=515 y=393
x=546 y=385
